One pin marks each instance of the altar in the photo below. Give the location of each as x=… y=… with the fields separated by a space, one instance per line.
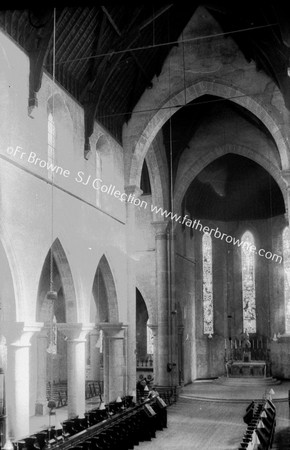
x=246 y=368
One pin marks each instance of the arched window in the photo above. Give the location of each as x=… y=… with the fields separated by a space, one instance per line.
x=286 y=262
x=207 y=284
x=248 y=283
x=99 y=176
x=50 y=144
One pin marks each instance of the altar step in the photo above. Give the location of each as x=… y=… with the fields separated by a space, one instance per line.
x=247 y=381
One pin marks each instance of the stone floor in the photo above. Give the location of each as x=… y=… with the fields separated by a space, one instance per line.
x=207 y=416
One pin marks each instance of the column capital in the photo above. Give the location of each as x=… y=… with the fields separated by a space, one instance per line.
x=133 y=189
x=75 y=331
x=20 y=333
x=160 y=228
x=112 y=329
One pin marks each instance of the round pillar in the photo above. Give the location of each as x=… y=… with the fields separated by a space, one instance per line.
x=76 y=366
x=132 y=192
x=114 y=361
x=162 y=293
x=18 y=336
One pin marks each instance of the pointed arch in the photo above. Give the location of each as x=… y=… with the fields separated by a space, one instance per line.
x=109 y=306
x=194 y=91
x=63 y=281
x=248 y=282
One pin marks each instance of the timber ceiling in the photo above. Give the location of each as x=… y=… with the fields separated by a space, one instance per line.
x=106 y=56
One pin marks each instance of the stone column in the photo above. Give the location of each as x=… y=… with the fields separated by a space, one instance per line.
x=76 y=365
x=114 y=361
x=172 y=305
x=163 y=353
x=41 y=401
x=95 y=355
x=132 y=192
x=18 y=336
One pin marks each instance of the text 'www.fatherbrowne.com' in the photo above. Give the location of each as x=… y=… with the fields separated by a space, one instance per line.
x=97 y=184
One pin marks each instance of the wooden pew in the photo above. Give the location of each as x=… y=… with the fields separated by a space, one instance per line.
x=120 y=430
x=261 y=421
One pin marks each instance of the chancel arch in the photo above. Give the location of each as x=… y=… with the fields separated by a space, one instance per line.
x=192 y=92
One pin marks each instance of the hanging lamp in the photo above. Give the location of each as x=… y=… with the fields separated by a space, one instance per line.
x=52 y=294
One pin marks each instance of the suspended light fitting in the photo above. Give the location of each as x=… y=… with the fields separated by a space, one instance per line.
x=52 y=294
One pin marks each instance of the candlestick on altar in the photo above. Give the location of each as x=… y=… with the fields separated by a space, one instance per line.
x=225 y=344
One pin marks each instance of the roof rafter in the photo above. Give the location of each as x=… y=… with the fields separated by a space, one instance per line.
x=128 y=38
x=139 y=65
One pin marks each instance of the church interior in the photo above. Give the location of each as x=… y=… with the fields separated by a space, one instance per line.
x=144 y=227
